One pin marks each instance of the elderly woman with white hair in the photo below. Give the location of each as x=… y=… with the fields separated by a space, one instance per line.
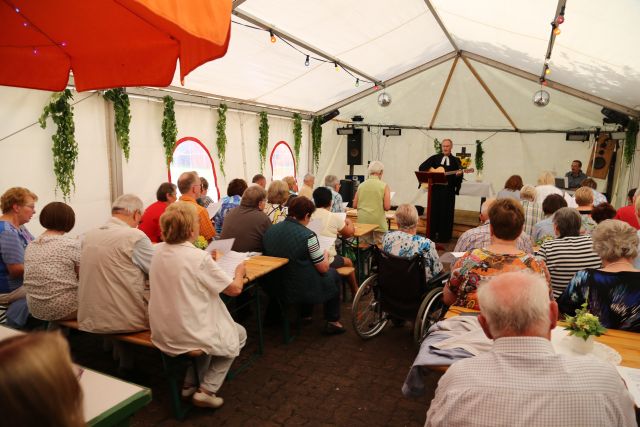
x=333 y=183
x=406 y=243
x=546 y=186
x=612 y=292
x=373 y=198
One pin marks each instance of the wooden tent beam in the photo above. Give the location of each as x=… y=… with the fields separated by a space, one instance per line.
x=489 y=92
x=444 y=91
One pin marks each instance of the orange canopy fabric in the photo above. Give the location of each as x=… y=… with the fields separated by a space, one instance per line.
x=108 y=43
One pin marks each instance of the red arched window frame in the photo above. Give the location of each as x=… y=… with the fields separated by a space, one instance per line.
x=206 y=150
x=295 y=167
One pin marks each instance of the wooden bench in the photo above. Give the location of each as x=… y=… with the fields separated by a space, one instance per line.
x=172 y=368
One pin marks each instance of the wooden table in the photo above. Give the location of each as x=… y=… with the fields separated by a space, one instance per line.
x=107 y=401
x=390 y=215
x=360 y=231
x=624 y=342
x=261 y=265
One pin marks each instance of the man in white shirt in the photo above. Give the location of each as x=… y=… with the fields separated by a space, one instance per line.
x=307 y=186
x=521 y=381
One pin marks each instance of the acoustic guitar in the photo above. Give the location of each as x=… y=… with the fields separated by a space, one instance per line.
x=441 y=170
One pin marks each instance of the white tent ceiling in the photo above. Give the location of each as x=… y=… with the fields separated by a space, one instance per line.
x=594 y=58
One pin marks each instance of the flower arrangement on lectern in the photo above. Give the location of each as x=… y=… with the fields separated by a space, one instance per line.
x=201 y=243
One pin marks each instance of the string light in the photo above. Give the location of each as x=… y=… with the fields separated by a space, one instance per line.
x=25 y=24
x=560 y=19
x=336 y=66
x=547 y=70
x=273 y=37
x=357 y=82
x=17 y=10
x=306 y=61
x=556 y=31
x=63 y=44
x=35 y=51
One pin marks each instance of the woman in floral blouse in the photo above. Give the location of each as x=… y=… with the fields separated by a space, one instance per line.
x=406 y=243
x=506 y=217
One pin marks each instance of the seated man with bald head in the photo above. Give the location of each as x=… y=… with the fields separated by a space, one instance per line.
x=521 y=381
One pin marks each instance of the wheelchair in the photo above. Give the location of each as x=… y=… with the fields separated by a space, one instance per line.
x=398 y=290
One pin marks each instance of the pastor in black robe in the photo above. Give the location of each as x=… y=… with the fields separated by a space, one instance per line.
x=443 y=198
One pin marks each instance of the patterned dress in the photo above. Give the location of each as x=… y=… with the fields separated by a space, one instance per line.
x=480 y=265
x=613 y=297
x=228 y=203
x=407 y=245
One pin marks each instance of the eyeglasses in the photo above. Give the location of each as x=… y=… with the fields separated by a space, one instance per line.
x=32 y=207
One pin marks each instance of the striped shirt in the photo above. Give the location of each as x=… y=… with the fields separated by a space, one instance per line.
x=565 y=256
x=316 y=255
x=532 y=214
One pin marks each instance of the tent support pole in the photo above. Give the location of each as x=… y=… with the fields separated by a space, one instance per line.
x=444 y=91
x=442 y=27
x=486 y=89
x=114 y=154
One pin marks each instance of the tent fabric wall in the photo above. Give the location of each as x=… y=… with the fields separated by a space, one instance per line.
x=506 y=154
x=26 y=159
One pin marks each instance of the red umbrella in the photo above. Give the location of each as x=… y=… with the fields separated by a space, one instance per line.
x=108 y=43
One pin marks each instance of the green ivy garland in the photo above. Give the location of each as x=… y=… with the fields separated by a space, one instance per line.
x=221 y=135
x=122 y=112
x=437 y=146
x=64 y=148
x=263 y=140
x=630 y=141
x=169 y=129
x=297 y=136
x=316 y=140
x=479 y=157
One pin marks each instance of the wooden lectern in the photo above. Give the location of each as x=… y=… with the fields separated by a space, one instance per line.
x=430 y=178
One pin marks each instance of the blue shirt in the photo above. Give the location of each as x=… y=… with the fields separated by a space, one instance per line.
x=13 y=241
x=336 y=203
x=228 y=203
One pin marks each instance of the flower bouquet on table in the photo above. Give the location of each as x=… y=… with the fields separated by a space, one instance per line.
x=201 y=243
x=583 y=327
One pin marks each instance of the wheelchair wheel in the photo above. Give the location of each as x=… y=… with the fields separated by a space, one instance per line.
x=366 y=314
x=431 y=310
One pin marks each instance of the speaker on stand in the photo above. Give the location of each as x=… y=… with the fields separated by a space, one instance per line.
x=601 y=157
x=354 y=149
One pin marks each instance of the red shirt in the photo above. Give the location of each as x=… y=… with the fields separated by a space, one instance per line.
x=150 y=222
x=628 y=215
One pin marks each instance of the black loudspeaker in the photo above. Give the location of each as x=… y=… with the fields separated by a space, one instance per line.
x=601 y=157
x=330 y=115
x=354 y=148
x=347 y=190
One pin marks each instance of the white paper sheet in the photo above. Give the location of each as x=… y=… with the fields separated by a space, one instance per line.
x=344 y=205
x=213 y=208
x=315 y=225
x=326 y=242
x=631 y=378
x=230 y=261
x=393 y=193
x=222 y=246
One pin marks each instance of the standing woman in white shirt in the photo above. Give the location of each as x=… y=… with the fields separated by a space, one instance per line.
x=185 y=309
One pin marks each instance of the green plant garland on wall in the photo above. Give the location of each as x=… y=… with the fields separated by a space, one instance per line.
x=169 y=129
x=122 y=112
x=221 y=135
x=263 y=140
x=316 y=140
x=630 y=141
x=479 y=157
x=297 y=136
x=437 y=146
x=65 y=147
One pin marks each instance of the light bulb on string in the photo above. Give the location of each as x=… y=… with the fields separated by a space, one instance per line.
x=357 y=82
x=25 y=24
x=336 y=66
x=273 y=37
x=35 y=51
x=63 y=44
x=306 y=61
x=560 y=19
x=556 y=31
x=17 y=10
x=547 y=70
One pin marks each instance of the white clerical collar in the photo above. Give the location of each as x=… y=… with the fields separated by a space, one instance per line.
x=445 y=160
